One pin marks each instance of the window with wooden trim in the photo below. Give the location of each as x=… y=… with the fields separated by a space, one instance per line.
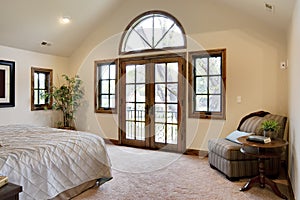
x=41 y=83
x=105 y=86
x=207 y=78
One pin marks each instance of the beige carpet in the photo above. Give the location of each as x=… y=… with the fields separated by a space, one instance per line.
x=145 y=174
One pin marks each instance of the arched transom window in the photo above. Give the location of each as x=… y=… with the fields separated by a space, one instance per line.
x=153 y=30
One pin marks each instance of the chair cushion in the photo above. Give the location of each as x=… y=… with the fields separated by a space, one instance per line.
x=227 y=149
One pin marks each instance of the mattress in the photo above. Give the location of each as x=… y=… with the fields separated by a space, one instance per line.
x=47 y=161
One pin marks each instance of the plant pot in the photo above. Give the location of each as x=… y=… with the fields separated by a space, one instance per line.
x=271 y=134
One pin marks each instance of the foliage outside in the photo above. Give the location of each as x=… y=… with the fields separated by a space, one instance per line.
x=67 y=99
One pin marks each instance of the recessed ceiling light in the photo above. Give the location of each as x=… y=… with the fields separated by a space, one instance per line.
x=45 y=43
x=65 y=20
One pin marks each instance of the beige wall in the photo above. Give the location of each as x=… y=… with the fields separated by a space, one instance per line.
x=294 y=99
x=24 y=60
x=254 y=52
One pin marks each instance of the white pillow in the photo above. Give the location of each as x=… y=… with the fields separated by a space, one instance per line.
x=236 y=134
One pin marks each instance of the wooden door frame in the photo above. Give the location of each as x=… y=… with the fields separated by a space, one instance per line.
x=182 y=82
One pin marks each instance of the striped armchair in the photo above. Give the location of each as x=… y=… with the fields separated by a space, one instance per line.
x=225 y=155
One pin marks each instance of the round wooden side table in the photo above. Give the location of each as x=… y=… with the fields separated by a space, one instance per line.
x=262 y=151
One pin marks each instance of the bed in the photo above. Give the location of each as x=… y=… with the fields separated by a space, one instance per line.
x=52 y=163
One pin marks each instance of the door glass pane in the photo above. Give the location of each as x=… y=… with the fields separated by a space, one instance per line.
x=201 y=103
x=172 y=93
x=140 y=112
x=172 y=72
x=160 y=133
x=160 y=113
x=160 y=72
x=140 y=131
x=172 y=113
x=130 y=130
x=140 y=74
x=160 y=93
x=172 y=134
x=140 y=93
x=215 y=103
x=130 y=93
x=130 y=74
x=130 y=111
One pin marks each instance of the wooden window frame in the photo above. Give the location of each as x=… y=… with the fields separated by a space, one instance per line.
x=49 y=85
x=191 y=76
x=99 y=109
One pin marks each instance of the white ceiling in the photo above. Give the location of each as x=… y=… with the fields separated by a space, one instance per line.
x=25 y=24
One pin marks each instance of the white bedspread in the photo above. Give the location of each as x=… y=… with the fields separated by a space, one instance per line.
x=47 y=161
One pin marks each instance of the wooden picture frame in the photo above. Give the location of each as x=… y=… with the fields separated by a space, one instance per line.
x=7 y=83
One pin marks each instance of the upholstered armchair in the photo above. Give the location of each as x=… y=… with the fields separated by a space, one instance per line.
x=224 y=153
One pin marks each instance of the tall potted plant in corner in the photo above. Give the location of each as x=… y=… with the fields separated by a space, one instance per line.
x=67 y=99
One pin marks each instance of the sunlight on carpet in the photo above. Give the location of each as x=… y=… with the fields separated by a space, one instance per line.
x=145 y=174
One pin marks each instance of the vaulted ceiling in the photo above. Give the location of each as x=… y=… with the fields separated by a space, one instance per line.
x=26 y=24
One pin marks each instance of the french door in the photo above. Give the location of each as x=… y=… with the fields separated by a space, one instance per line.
x=151 y=102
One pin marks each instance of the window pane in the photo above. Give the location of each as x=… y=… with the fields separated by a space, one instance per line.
x=144 y=28
x=130 y=73
x=36 y=97
x=172 y=72
x=42 y=81
x=112 y=101
x=160 y=113
x=172 y=134
x=104 y=87
x=215 y=65
x=112 y=74
x=104 y=101
x=104 y=71
x=130 y=93
x=172 y=93
x=173 y=38
x=134 y=42
x=215 y=103
x=140 y=93
x=160 y=93
x=160 y=72
x=172 y=113
x=201 y=66
x=161 y=26
x=112 y=87
x=140 y=74
x=42 y=100
x=201 y=103
x=160 y=133
x=36 y=80
x=215 y=85
x=201 y=85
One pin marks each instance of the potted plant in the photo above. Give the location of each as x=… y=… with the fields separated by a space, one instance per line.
x=270 y=128
x=67 y=99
